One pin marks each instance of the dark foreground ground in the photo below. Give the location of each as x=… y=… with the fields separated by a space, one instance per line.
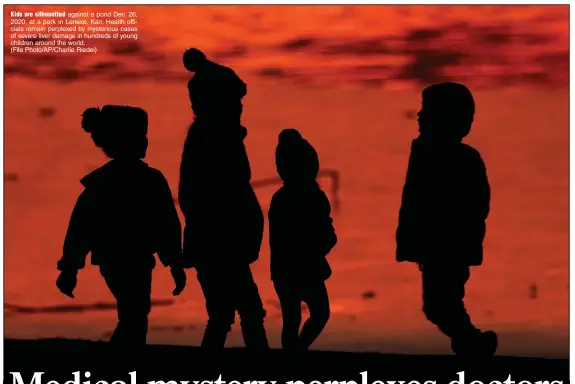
x=58 y=359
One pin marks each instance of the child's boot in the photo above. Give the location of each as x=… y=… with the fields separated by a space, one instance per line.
x=480 y=344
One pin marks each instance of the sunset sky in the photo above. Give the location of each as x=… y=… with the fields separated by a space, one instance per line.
x=349 y=78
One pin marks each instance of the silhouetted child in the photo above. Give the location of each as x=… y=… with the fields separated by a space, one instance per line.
x=224 y=227
x=224 y=220
x=442 y=217
x=124 y=215
x=301 y=236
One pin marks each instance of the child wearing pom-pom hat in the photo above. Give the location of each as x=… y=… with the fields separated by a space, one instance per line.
x=123 y=216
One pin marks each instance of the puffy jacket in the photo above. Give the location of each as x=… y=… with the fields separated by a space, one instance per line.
x=224 y=220
x=125 y=214
x=301 y=233
x=445 y=204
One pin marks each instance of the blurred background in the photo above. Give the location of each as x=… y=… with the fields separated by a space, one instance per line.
x=349 y=78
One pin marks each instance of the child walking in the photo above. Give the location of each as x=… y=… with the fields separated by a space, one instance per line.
x=124 y=215
x=445 y=204
x=301 y=236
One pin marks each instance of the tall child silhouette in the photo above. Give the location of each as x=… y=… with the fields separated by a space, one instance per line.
x=301 y=236
x=442 y=217
x=224 y=220
x=124 y=215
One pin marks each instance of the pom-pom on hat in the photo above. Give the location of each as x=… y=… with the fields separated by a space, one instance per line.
x=91 y=119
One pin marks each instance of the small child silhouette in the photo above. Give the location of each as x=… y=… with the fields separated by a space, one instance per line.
x=301 y=236
x=124 y=215
x=442 y=217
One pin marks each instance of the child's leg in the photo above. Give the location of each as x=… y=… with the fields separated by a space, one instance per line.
x=132 y=290
x=217 y=289
x=113 y=283
x=443 y=293
x=290 y=303
x=247 y=301
x=317 y=300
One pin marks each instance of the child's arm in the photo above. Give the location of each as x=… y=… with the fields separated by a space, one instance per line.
x=331 y=237
x=277 y=235
x=327 y=235
x=76 y=243
x=170 y=229
x=481 y=185
x=474 y=191
x=404 y=240
x=477 y=208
